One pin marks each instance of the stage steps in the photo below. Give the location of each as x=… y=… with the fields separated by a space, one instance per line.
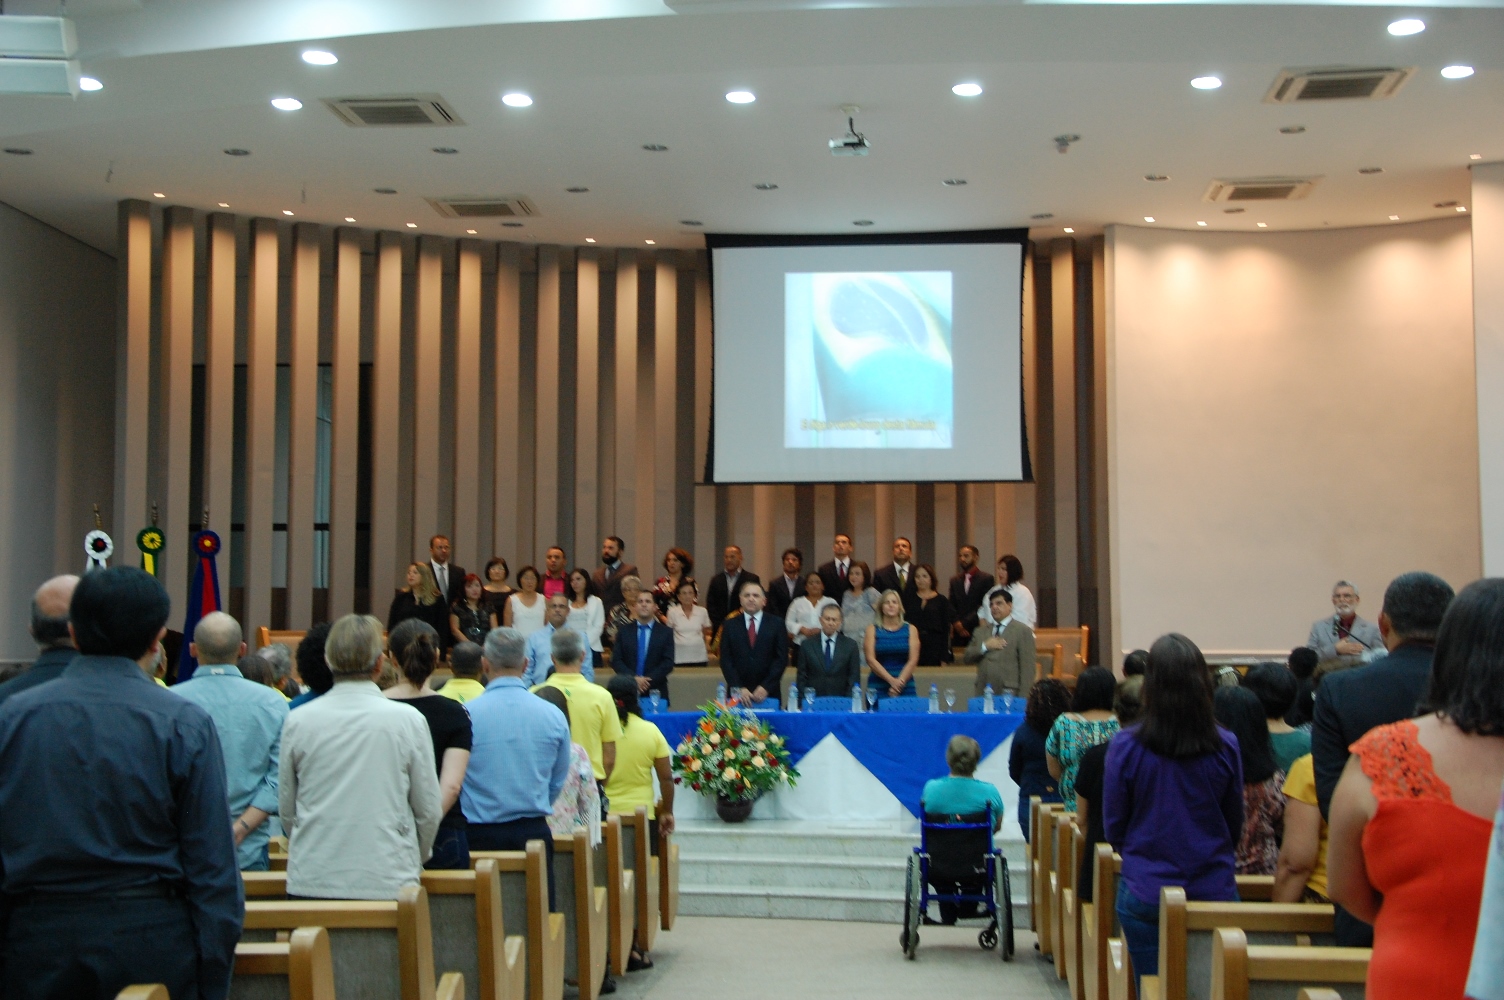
x=772 y=868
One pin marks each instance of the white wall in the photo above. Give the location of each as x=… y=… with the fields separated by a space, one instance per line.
x=1488 y=318
x=57 y=406
x=1287 y=409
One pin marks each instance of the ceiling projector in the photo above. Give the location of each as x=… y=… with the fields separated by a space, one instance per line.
x=853 y=143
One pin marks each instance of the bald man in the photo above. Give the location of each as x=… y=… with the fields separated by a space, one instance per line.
x=249 y=719
x=49 y=627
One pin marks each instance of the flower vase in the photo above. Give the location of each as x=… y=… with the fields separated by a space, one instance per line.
x=733 y=810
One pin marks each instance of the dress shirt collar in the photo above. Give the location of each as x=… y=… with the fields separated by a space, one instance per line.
x=107 y=665
x=900 y=567
x=731 y=577
x=497 y=683
x=613 y=566
x=354 y=688
x=1004 y=623
x=754 y=621
x=218 y=670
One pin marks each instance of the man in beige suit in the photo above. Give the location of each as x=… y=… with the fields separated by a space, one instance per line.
x=1003 y=652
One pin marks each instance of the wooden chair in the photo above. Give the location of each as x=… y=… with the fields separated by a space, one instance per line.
x=621 y=893
x=1099 y=921
x=1241 y=971
x=584 y=906
x=1073 y=642
x=1186 y=929
x=300 y=968
x=524 y=903
x=637 y=842
x=151 y=991
x=287 y=637
x=469 y=930
x=381 y=949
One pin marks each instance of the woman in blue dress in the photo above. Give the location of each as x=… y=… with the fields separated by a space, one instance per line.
x=892 y=646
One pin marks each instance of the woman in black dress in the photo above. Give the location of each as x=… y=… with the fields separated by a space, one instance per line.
x=932 y=614
x=419 y=599
x=471 y=617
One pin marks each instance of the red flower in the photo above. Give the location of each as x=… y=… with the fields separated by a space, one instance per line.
x=695 y=786
x=735 y=742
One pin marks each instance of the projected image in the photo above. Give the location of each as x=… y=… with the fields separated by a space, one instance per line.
x=868 y=360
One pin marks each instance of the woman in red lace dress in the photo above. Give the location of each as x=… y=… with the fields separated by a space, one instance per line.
x=1411 y=817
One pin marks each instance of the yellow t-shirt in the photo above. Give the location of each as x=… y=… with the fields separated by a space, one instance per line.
x=462 y=689
x=631 y=782
x=592 y=715
x=1300 y=785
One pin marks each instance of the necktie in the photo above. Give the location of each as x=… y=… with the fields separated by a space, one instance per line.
x=643 y=633
x=997 y=629
x=841 y=570
x=966 y=587
x=903 y=578
x=751 y=633
x=830 y=653
x=442 y=572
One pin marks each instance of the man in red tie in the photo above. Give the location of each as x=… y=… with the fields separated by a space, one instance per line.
x=967 y=591
x=754 y=650
x=834 y=572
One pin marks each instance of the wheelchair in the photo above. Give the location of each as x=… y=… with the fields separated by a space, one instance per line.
x=956 y=864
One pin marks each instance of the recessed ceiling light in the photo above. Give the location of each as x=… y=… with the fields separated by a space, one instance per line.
x=236 y=151
x=954 y=182
x=690 y=222
x=1263 y=225
x=1292 y=130
x=287 y=211
x=385 y=190
x=1148 y=218
x=1407 y=26
x=318 y=57
x=590 y=239
x=512 y=225
x=349 y=218
x=1199 y=223
x=1042 y=215
x=1206 y=82
x=158 y=194
x=286 y=103
x=967 y=90
x=766 y=187
x=1394 y=218
x=18 y=151
x=89 y=83
x=577 y=190
x=655 y=147
x=224 y=204
x=1370 y=170
x=861 y=222
x=1068 y=229
x=472 y=232
x=741 y=97
x=1156 y=177
x=412 y=225
x=1457 y=72
x=445 y=150
x=651 y=242
x=516 y=99
x=1462 y=208
x=1470 y=156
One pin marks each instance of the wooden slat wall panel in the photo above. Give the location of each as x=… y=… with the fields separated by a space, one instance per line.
x=546 y=465
x=1063 y=370
x=388 y=553
x=303 y=425
x=344 y=450
x=261 y=422
x=587 y=411
x=506 y=496
x=705 y=551
x=665 y=401
x=132 y=371
x=638 y=551
x=467 y=552
x=219 y=378
x=176 y=352
x=427 y=383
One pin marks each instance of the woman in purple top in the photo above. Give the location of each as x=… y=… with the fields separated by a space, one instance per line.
x=1172 y=797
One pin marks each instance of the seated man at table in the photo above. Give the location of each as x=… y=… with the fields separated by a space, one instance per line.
x=754 y=650
x=960 y=794
x=1002 y=651
x=830 y=664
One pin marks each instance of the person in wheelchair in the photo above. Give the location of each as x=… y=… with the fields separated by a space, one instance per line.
x=961 y=797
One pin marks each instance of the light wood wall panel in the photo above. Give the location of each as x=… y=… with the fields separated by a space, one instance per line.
x=626 y=410
x=665 y=402
x=387 y=551
x=176 y=354
x=587 y=411
x=1063 y=423
x=505 y=494
x=260 y=421
x=219 y=379
x=466 y=519
x=546 y=468
x=132 y=370
x=344 y=448
x=427 y=385
x=303 y=424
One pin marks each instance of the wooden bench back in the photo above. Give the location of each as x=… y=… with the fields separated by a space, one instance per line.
x=469 y=930
x=300 y=968
x=1186 y=930
x=624 y=896
x=1075 y=643
x=586 y=920
x=287 y=637
x=524 y=904
x=1241 y=971
x=638 y=844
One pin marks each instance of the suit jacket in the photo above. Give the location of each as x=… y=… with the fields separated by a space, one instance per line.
x=660 y=661
x=747 y=667
x=968 y=603
x=835 y=680
x=608 y=585
x=1351 y=702
x=1323 y=637
x=886 y=578
x=456 y=589
x=835 y=584
x=1011 y=667
x=719 y=603
x=779 y=597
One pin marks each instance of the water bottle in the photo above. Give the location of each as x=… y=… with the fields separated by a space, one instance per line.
x=720 y=694
x=858 y=703
x=809 y=699
x=988 y=707
x=793 y=698
x=934 y=700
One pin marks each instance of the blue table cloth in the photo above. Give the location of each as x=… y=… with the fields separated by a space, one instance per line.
x=902 y=750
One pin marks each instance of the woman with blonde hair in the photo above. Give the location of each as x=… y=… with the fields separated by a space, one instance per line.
x=892 y=647
x=419 y=599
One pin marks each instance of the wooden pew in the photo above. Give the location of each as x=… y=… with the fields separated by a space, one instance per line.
x=1099 y=922
x=1186 y=929
x=668 y=881
x=381 y=948
x=469 y=931
x=1319 y=993
x=639 y=847
x=1041 y=863
x=1057 y=851
x=1068 y=956
x=621 y=895
x=1119 y=971
x=524 y=902
x=146 y=991
x=584 y=906
x=1241 y=971
x=300 y=968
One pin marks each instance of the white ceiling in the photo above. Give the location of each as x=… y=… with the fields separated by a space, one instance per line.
x=1117 y=75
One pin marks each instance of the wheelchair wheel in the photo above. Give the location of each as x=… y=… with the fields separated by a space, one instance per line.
x=988 y=938
x=1003 y=899
x=913 y=910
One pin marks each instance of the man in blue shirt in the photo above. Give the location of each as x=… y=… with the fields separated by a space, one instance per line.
x=249 y=719
x=115 y=843
x=49 y=627
x=519 y=756
x=540 y=656
x=644 y=648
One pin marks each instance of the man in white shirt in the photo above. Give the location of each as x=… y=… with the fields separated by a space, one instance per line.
x=539 y=659
x=449 y=578
x=834 y=572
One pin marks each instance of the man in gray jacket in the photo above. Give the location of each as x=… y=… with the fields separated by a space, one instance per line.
x=1343 y=633
x=1003 y=651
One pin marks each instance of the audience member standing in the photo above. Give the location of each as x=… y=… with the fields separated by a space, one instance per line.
x=691 y=627
x=414 y=652
x=1127 y=704
x=592 y=713
x=931 y=613
x=723 y=594
x=115 y=844
x=1239 y=712
x=1010 y=577
x=614 y=569
x=248 y=718
x=1300 y=875
x=1302 y=662
x=968 y=591
x=519 y=757
x=1003 y=650
x=526 y=608
x=579 y=803
x=1343 y=633
x=359 y=795
x=830 y=662
x=1276 y=689
x=449 y=578
x=754 y=650
x=312 y=667
x=802 y=618
x=1412 y=813
x=49 y=630
x=1089 y=722
x=859 y=602
x=420 y=599
x=554 y=581
x=899 y=574
x=644 y=650
x=891 y=648
x=1028 y=764
x=834 y=573
x=784 y=588
x=1351 y=702
x=1172 y=797
x=623 y=613
x=587 y=614
x=471 y=618
x=497 y=588
x=539 y=644
x=465 y=685
x=278 y=656
x=1485 y=980
x=678 y=566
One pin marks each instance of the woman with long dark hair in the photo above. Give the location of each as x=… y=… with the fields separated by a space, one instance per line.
x=1240 y=712
x=1027 y=764
x=1089 y=722
x=471 y=617
x=587 y=615
x=1172 y=797
x=932 y=614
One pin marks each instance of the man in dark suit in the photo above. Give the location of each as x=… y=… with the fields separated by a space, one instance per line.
x=754 y=649
x=649 y=662
x=49 y=628
x=967 y=589
x=899 y=574
x=449 y=578
x=830 y=664
x=723 y=593
x=614 y=569
x=784 y=588
x=834 y=572
x=1351 y=702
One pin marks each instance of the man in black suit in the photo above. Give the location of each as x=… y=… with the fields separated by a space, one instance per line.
x=614 y=569
x=1351 y=702
x=723 y=594
x=754 y=649
x=650 y=663
x=830 y=664
x=967 y=590
x=899 y=574
x=783 y=589
x=834 y=572
x=449 y=578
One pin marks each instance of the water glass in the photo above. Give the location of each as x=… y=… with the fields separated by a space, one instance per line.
x=950 y=699
x=655 y=698
x=809 y=700
x=1008 y=698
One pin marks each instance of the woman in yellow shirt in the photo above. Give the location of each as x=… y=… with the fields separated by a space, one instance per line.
x=1301 y=874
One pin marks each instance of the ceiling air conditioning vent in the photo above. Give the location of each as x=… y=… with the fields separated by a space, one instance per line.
x=386 y=112
x=1261 y=189
x=483 y=208
x=1372 y=84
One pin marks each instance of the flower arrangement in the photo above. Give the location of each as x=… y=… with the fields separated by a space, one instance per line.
x=732 y=755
